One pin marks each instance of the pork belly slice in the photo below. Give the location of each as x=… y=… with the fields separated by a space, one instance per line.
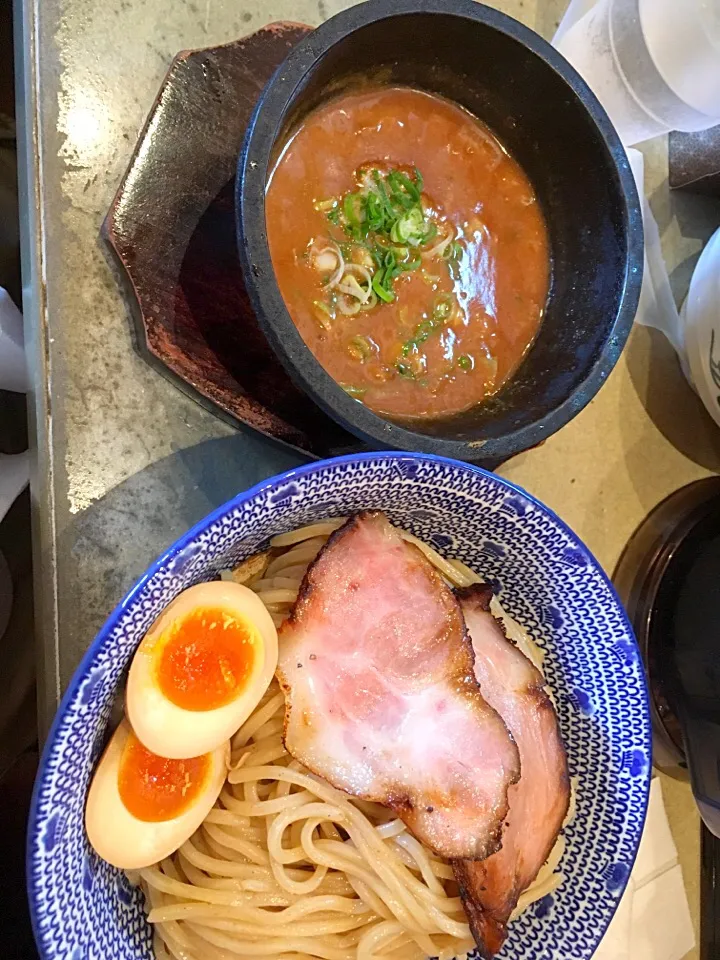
x=538 y=801
x=381 y=698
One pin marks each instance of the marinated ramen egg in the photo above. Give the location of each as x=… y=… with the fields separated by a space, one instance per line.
x=142 y=807
x=201 y=669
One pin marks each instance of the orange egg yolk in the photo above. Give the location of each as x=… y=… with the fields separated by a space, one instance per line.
x=206 y=659
x=154 y=788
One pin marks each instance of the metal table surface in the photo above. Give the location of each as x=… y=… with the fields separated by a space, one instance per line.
x=124 y=462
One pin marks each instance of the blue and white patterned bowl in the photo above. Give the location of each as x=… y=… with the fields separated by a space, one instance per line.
x=85 y=910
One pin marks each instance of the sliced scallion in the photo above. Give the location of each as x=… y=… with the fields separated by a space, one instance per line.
x=443 y=307
x=324 y=314
x=387 y=296
x=360 y=348
x=410 y=264
x=385 y=217
x=406 y=184
x=453 y=251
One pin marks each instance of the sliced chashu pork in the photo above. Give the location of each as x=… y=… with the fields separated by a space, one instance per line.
x=381 y=698
x=539 y=801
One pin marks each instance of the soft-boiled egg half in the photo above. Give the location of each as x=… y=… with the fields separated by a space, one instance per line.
x=201 y=669
x=142 y=807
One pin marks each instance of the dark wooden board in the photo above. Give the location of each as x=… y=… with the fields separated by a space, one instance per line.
x=172 y=229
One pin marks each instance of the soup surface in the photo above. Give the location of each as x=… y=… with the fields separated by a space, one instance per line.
x=410 y=250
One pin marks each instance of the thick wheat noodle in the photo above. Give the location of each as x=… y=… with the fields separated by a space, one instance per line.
x=317 y=848
x=447 y=569
x=360 y=829
x=322 y=529
x=269 y=754
x=285 y=583
x=288 y=867
x=302 y=553
x=266 y=711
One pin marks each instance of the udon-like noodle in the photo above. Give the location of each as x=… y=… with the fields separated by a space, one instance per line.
x=288 y=867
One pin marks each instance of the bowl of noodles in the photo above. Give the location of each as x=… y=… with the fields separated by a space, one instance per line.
x=286 y=864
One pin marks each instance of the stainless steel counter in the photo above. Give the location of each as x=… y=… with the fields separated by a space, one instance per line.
x=125 y=462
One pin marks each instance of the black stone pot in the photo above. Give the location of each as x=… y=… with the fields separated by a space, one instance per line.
x=669 y=580
x=552 y=124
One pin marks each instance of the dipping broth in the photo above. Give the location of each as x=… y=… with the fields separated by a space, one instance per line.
x=410 y=250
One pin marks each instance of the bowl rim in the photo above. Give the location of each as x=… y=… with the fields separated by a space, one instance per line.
x=259 y=275
x=188 y=538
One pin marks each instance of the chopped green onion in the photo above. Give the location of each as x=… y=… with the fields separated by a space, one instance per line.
x=443 y=306
x=375 y=213
x=356 y=392
x=432 y=232
x=405 y=370
x=349 y=207
x=453 y=251
x=387 y=296
x=465 y=362
x=401 y=199
x=410 y=264
x=409 y=228
x=324 y=314
x=402 y=187
x=385 y=216
x=354 y=210
x=423 y=331
x=360 y=348
x=382 y=193
x=379 y=259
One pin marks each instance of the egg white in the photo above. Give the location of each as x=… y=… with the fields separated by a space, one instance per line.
x=132 y=844
x=171 y=731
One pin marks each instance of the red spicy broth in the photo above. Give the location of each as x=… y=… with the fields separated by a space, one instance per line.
x=410 y=250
